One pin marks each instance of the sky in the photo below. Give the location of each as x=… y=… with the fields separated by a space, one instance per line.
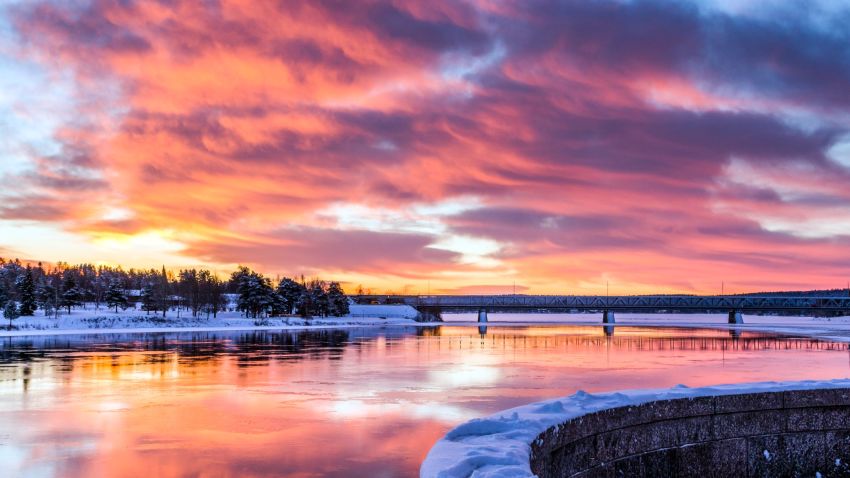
x=458 y=146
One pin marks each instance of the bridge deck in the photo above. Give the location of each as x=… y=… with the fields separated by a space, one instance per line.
x=636 y=302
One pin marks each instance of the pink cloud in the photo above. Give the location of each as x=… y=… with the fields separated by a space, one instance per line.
x=596 y=137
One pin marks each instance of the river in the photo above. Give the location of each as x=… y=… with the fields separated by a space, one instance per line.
x=344 y=402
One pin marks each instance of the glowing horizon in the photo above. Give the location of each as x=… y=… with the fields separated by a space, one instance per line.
x=454 y=146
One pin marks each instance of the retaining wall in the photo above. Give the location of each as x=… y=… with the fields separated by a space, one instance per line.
x=791 y=433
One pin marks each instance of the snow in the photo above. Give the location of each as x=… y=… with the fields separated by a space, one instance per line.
x=386 y=311
x=133 y=320
x=499 y=446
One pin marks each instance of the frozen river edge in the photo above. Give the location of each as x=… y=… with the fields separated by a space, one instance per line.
x=500 y=445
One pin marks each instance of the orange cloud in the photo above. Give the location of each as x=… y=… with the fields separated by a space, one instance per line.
x=595 y=140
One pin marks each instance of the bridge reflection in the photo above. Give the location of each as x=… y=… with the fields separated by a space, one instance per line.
x=629 y=339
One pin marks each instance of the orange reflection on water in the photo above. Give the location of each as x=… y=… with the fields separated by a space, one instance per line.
x=361 y=402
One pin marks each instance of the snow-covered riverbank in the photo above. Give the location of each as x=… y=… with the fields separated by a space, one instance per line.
x=130 y=321
x=500 y=445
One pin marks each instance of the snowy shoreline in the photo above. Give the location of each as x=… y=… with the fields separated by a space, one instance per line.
x=500 y=444
x=314 y=324
x=134 y=321
x=106 y=322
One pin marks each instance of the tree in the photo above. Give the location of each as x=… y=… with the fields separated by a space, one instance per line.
x=10 y=311
x=304 y=306
x=212 y=290
x=26 y=291
x=290 y=292
x=4 y=297
x=255 y=292
x=161 y=291
x=48 y=299
x=338 y=302
x=148 y=299
x=314 y=300
x=189 y=287
x=319 y=296
x=115 y=296
x=71 y=295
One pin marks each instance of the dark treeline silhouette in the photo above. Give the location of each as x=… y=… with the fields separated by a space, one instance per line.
x=24 y=289
x=259 y=297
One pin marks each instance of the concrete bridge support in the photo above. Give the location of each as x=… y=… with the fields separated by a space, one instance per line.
x=736 y=317
x=482 y=315
x=608 y=317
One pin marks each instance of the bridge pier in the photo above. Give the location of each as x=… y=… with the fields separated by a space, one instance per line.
x=608 y=317
x=736 y=317
x=482 y=315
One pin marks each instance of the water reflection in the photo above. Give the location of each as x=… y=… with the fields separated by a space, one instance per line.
x=354 y=402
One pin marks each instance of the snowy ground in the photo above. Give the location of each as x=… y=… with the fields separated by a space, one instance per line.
x=105 y=321
x=500 y=445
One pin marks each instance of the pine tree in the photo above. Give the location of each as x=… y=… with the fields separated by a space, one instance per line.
x=115 y=296
x=161 y=292
x=26 y=291
x=290 y=292
x=48 y=299
x=212 y=293
x=337 y=299
x=71 y=295
x=148 y=299
x=10 y=311
x=4 y=297
x=255 y=292
x=319 y=304
x=304 y=305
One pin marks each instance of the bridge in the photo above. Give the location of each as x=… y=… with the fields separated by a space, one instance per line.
x=735 y=305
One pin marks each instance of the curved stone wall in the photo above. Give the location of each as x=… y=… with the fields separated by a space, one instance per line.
x=790 y=433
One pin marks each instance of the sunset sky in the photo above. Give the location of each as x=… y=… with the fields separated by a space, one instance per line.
x=450 y=146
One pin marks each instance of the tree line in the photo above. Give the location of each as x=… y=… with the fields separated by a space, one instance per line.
x=24 y=289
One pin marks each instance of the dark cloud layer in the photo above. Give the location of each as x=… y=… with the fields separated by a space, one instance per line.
x=607 y=137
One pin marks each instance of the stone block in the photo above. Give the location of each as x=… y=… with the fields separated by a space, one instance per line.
x=628 y=467
x=817 y=398
x=660 y=463
x=682 y=407
x=577 y=456
x=835 y=418
x=803 y=419
x=745 y=424
x=836 y=445
x=766 y=456
x=721 y=458
x=747 y=402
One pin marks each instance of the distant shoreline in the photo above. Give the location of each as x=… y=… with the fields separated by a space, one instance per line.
x=833 y=329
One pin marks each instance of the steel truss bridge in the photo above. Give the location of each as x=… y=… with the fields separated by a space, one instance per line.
x=735 y=305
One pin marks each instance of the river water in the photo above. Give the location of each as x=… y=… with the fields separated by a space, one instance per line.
x=349 y=402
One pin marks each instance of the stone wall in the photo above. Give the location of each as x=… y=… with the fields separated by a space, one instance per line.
x=793 y=433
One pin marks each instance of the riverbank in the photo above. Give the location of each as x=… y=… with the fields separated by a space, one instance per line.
x=136 y=321
x=86 y=321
